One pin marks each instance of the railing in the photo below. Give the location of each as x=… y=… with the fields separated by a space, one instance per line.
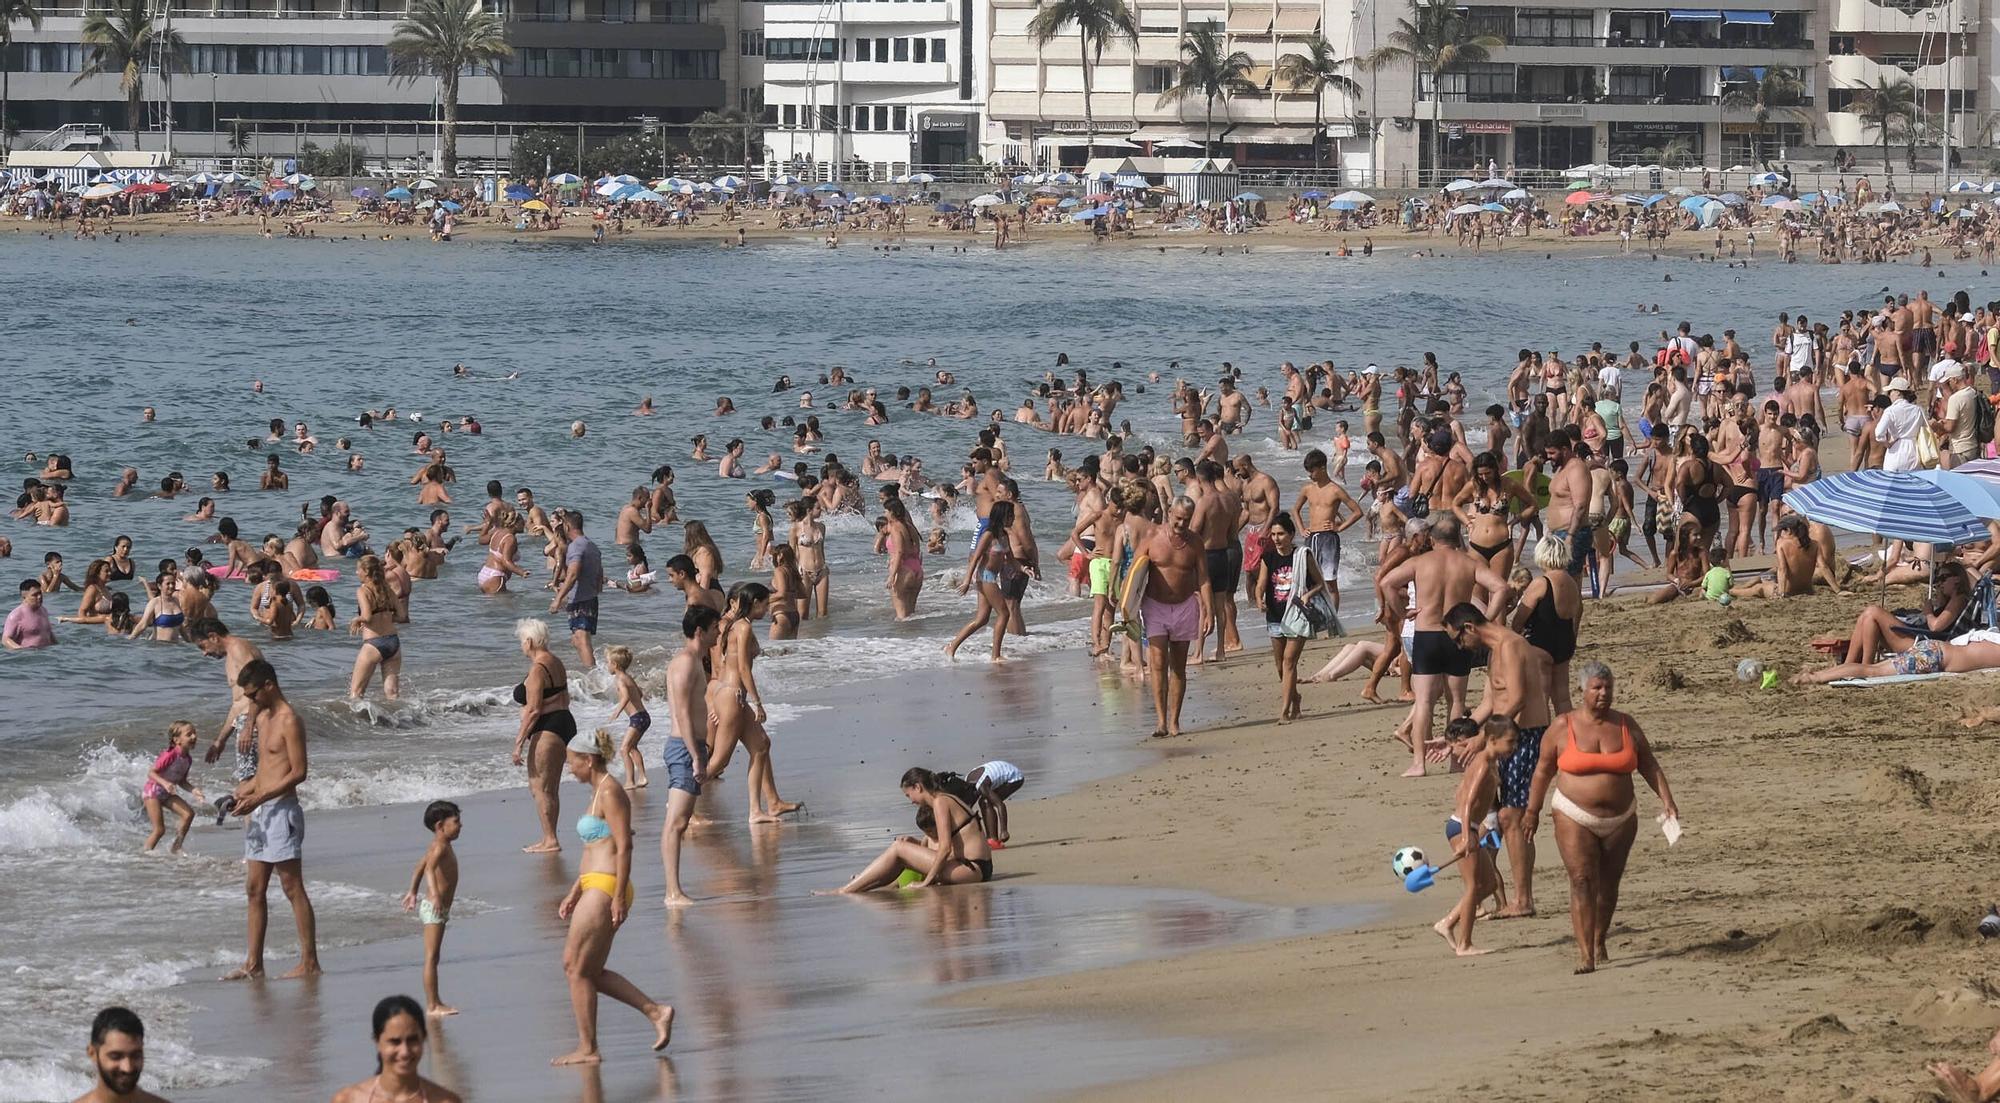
x=61 y=137
x=1691 y=43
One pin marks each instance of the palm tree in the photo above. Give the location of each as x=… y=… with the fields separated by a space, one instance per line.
x=1439 y=40
x=1097 y=23
x=1884 y=107
x=1778 y=92
x=722 y=137
x=1207 y=72
x=1319 y=69
x=444 y=38
x=11 y=12
x=123 y=39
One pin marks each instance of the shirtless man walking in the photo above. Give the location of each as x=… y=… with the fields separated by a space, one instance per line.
x=1175 y=609
x=274 y=830
x=1261 y=502
x=1517 y=687
x=1568 y=512
x=1218 y=517
x=1324 y=510
x=214 y=640
x=686 y=754
x=1446 y=576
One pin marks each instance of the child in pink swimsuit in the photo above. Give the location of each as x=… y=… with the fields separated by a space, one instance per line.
x=169 y=773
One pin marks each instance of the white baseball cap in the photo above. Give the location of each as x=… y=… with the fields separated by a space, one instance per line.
x=1899 y=384
x=1370 y=370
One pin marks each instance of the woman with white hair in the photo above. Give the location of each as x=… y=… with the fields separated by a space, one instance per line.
x=1585 y=773
x=546 y=726
x=1549 y=614
x=600 y=901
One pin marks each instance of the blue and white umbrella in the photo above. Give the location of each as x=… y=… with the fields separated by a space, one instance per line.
x=1462 y=185
x=1495 y=208
x=784 y=180
x=922 y=178
x=520 y=191
x=1315 y=194
x=1360 y=198
x=827 y=188
x=562 y=179
x=1767 y=180
x=1342 y=205
x=451 y=206
x=1964 y=186
x=1131 y=181
x=1976 y=489
x=730 y=182
x=1249 y=197
x=1895 y=505
x=1070 y=178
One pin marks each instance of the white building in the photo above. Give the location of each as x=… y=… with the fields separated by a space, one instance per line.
x=886 y=83
x=1037 y=100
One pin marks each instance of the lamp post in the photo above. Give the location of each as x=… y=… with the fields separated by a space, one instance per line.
x=214 y=120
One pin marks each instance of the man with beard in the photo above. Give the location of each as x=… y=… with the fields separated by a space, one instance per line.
x=118 y=1051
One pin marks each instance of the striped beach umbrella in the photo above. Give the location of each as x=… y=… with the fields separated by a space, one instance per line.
x=1895 y=505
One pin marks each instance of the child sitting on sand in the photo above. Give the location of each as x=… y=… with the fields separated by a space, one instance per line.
x=439 y=870
x=1478 y=797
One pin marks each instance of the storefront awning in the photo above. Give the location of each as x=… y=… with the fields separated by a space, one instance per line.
x=1754 y=18
x=1298 y=20
x=1163 y=134
x=1259 y=76
x=1270 y=135
x=1249 y=22
x=1743 y=72
x=1693 y=15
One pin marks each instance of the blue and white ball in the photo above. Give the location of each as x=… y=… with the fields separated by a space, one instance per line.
x=1407 y=859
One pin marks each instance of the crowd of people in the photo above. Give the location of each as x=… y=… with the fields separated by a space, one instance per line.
x=1488 y=531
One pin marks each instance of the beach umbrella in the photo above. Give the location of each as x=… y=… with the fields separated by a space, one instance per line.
x=1979 y=492
x=233 y=178
x=922 y=178
x=204 y=178
x=1772 y=200
x=883 y=198
x=987 y=200
x=827 y=188
x=1787 y=205
x=730 y=182
x=1985 y=469
x=534 y=205
x=1342 y=205
x=520 y=191
x=1496 y=183
x=450 y=206
x=154 y=188
x=565 y=179
x=425 y=185
x=1964 y=186
x=297 y=178
x=1495 y=208
x=1071 y=178
x=644 y=196
x=397 y=193
x=1315 y=194
x=1467 y=208
x=363 y=193
x=1895 y=505
x=836 y=201
x=101 y=191
x=1679 y=191
x=1461 y=185
x=427 y=204
x=1965 y=212
x=1891 y=207
x=1631 y=199
x=1730 y=199
x=1517 y=195
x=785 y=180
x=1065 y=204
x=1249 y=197
x=1579 y=198
x=1656 y=199
x=1711 y=213
x=1767 y=180
x=1132 y=181
x=951 y=208
x=1354 y=197
x=281 y=195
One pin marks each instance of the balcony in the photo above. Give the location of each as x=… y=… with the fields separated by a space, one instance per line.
x=882 y=11
x=892 y=72
x=1856 y=71
x=1867 y=17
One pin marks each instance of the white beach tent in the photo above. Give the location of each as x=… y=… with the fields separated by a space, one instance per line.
x=1201 y=179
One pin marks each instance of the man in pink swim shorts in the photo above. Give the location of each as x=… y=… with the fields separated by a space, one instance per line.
x=1175 y=609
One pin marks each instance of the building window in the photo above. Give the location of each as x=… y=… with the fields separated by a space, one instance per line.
x=856 y=120
x=902 y=47
x=829 y=119
x=1159 y=21
x=1156 y=78
x=882 y=118
x=800 y=49
x=864 y=49
x=920 y=49
x=937 y=49
x=1840 y=45
x=753 y=43
x=1533 y=27
x=788 y=116
x=881 y=49
x=900 y=118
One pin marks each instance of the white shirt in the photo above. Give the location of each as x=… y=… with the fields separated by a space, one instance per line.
x=1938 y=369
x=1802 y=351
x=1607 y=382
x=1898 y=426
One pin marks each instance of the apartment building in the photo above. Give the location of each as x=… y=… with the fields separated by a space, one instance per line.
x=884 y=84
x=1940 y=47
x=1036 y=103
x=320 y=68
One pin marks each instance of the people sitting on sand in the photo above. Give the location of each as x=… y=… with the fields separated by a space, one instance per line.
x=1920 y=657
x=963 y=855
x=1944 y=613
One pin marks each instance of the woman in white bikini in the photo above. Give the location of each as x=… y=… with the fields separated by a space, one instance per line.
x=501 y=545
x=1585 y=772
x=809 y=545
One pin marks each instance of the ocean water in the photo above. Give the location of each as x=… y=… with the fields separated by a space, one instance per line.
x=556 y=332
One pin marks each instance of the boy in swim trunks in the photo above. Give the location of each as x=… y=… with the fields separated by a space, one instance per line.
x=1478 y=797
x=438 y=867
x=996 y=781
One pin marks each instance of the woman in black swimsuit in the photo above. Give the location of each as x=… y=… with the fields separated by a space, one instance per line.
x=545 y=718
x=962 y=857
x=1550 y=612
x=1483 y=503
x=121 y=559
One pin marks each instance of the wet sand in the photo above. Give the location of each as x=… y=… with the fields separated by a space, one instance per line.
x=780 y=994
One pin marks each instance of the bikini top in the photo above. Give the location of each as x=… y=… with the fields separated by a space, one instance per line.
x=1571 y=760
x=592 y=829
x=169 y=620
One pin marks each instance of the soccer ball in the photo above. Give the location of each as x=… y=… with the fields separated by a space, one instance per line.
x=1407 y=859
x=1749 y=670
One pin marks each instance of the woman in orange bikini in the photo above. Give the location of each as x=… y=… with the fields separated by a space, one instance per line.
x=1590 y=756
